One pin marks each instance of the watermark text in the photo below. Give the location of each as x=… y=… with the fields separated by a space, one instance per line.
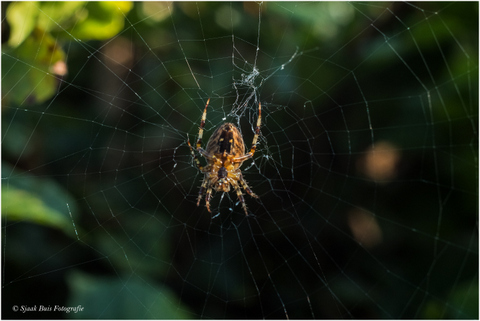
x=47 y=308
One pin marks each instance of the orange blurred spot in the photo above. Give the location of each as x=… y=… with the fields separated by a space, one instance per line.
x=118 y=54
x=59 y=68
x=365 y=228
x=380 y=162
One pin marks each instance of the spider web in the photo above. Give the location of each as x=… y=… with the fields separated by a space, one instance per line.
x=366 y=167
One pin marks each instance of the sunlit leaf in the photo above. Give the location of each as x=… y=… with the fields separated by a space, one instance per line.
x=31 y=65
x=21 y=17
x=101 y=20
x=60 y=15
x=20 y=205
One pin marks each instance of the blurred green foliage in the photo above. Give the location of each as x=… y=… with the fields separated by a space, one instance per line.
x=33 y=58
x=97 y=99
x=463 y=304
x=134 y=298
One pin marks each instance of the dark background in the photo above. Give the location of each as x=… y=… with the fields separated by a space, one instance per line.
x=328 y=237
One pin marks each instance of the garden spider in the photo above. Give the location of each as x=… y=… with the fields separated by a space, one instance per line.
x=225 y=154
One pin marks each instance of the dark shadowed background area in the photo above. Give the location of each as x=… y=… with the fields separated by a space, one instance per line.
x=366 y=167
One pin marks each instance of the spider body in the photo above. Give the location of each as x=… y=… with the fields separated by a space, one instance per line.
x=225 y=153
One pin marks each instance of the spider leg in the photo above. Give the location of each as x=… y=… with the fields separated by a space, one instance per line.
x=257 y=130
x=202 y=191
x=202 y=125
x=199 y=141
x=255 y=138
x=246 y=187
x=195 y=158
x=207 y=198
x=240 y=196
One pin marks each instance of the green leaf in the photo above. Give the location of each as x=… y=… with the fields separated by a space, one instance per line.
x=22 y=17
x=129 y=298
x=28 y=71
x=20 y=205
x=101 y=20
x=40 y=201
x=60 y=15
x=33 y=60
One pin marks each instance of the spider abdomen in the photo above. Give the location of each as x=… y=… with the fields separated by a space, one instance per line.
x=226 y=140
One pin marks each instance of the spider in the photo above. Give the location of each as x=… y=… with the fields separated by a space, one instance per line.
x=225 y=154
